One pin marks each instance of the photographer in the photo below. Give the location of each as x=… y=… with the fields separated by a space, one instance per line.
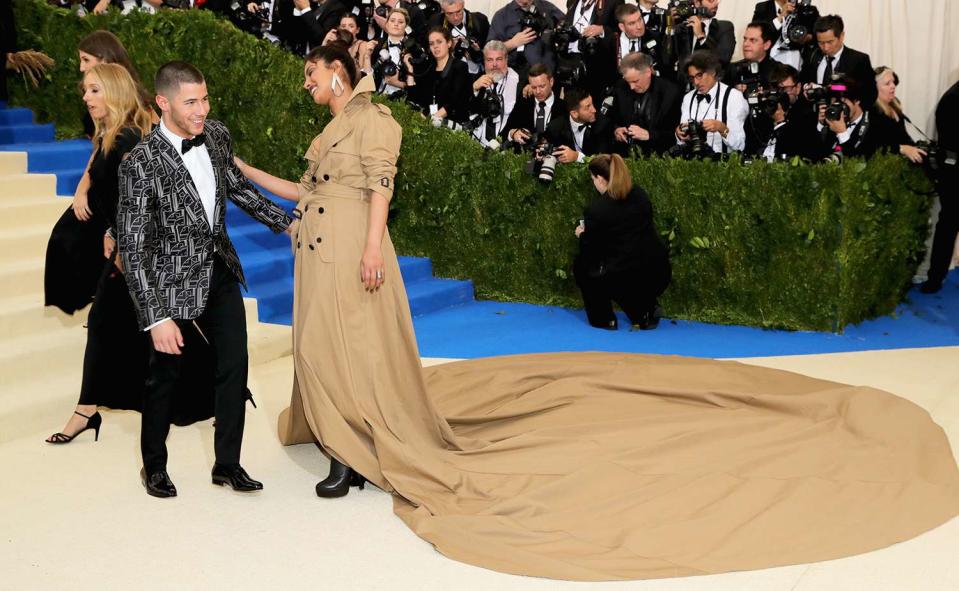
x=633 y=37
x=794 y=121
x=888 y=105
x=645 y=107
x=582 y=133
x=494 y=94
x=319 y=19
x=704 y=32
x=595 y=24
x=793 y=21
x=529 y=118
x=834 y=58
x=621 y=258
x=851 y=130
x=390 y=68
x=416 y=26
x=442 y=92
x=752 y=72
x=947 y=185
x=719 y=109
x=520 y=26
x=470 y=31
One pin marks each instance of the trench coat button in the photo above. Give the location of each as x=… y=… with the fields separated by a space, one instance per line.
x=320 y=209
x=314 y=178
x=326 y=177
x=318 y=240
x=307 y=208
x=312 y=247
x=297 y=244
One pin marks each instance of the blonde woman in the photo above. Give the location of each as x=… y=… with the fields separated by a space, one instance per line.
x=888 y=104
x=120 y=119
x=621 y=258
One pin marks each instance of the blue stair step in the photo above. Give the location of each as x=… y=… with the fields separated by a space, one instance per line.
x=429 y=296
x=53 y=156
x=28 y=132
x=67 y=181
x=265 y=266
x=15 y=116
x=415 y=269
x=274 y=299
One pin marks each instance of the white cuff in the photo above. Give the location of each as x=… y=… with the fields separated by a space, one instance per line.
x=157 y=323
x=580 y=157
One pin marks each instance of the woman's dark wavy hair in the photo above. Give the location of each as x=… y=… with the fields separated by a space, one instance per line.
x=336 y=52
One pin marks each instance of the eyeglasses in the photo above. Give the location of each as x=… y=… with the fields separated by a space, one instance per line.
x=453 y=12
x=696 y=77
x=788 y=87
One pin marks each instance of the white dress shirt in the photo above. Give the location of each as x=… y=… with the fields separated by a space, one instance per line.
x=506 y=89
x=626 y=45
x=581 y=20
x=821 y=70
x=579 y=136
x=736 y=113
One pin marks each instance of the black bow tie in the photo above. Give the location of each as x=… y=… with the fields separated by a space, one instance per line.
x=583 y=127
x=391 y=44
x=702 y=97
x=196 y=142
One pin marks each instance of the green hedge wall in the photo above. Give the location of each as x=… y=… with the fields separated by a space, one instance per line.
x=772 y=245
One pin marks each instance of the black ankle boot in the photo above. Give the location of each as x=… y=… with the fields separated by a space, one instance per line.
x=339 y=481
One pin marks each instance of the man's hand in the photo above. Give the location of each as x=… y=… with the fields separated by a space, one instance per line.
x=252 y=7
x=838 y=127
x=101 y=7
x=592 y=31
x=638 y=133
x=81 y=206
x=108 y=245
x=565 y=154
x=520 y=39
x=167 y=337
x=699 y=31
x=520 y=136
x=330 y=37
x=914 y=154
x=787 y=9
x=822 y=114
x=528 y=91
x=484 y=81
x=579 y=230
x=715 y=125
x=681 y=133
x=621 y=134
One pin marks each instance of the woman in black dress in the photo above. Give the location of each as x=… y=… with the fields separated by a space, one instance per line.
x=444 y=91
x=621 y=258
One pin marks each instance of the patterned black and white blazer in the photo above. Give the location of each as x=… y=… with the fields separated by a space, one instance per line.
x=164 y=239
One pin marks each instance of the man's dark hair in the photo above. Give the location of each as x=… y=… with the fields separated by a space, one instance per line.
x=766 y=30
x=830 y=22
x=852 y=92
x=573 y=97
x=625 y=10
x=172 y=74
x=539 y=70
x=782 y=72
x=704 y=61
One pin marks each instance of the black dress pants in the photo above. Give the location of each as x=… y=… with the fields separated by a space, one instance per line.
x=947 y=227
x=223 y=323
x=635 y=291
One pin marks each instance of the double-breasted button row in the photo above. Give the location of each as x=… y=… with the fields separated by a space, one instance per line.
x=326 y=177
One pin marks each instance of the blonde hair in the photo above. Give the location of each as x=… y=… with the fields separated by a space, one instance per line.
x=612 y=167
x=893 y=108
x=123 y=105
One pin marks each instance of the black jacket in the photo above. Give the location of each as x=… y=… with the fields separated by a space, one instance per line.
x=322 y=19
x=477 y=25
x=621 y=235
x=598 y=138
x=523 y=115
x=720 y=39
x=855 y=64
x=450 y=89
x=658 y=112
x=881 y=134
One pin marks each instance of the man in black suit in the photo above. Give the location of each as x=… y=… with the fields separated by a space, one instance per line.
x=633 y=36
x=531 y=115
x=756 y=66
x=784 y=17
x=834 y=58
x=469 y=29
x=794 y=124
x=320 y=18
x=862 y=132
x=582 y=133
x=947 y=185
x=596 y=22
x=181 y=267
x=705 y=33
x=645 y=107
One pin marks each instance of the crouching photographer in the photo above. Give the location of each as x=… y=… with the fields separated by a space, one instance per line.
x=621 y=258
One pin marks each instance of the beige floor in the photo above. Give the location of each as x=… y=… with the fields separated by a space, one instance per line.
x=76 y=517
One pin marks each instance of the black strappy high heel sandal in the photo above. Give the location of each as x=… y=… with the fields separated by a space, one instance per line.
x=94 y=422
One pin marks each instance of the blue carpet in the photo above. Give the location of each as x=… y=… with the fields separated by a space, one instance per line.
x=483 y=329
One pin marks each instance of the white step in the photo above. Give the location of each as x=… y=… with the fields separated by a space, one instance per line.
x=43 y=353
x=23 y=241
x=17 y=211
x=23 y=277
x=13 y=163
x=24 y=315
x=29 y=185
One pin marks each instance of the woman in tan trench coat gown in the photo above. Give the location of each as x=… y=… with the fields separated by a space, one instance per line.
x=585 y=466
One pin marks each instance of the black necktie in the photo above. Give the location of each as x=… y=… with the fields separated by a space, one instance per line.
x=541 y=117
x=196 y=142
x=827 y=73
x=632 y=46
x=702 y=97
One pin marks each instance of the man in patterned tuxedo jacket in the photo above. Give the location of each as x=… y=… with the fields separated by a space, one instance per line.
x=181 y=266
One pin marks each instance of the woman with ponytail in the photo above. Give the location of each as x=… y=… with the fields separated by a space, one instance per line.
x=621 y=258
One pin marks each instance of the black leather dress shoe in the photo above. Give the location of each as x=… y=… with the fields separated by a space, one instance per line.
x=236 y=477
x=339 y=481
x=158 y=484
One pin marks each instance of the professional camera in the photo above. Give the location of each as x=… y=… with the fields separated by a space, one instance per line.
x=747 y=73
x=932 y=158
x=469 y=48
x=534 y=20
x=656 y=20
x=765 y=102
x=542 y=164
x=382 y=10
x=818 y=94
x=695 y=145
x=801 y=24
x=566 y=34
x=383 y=64
x=570 y=71
x=419 y=58
x=428 y=8
x=836 y=110
x=255 y=22
x=686 y=8
x=488 y=104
